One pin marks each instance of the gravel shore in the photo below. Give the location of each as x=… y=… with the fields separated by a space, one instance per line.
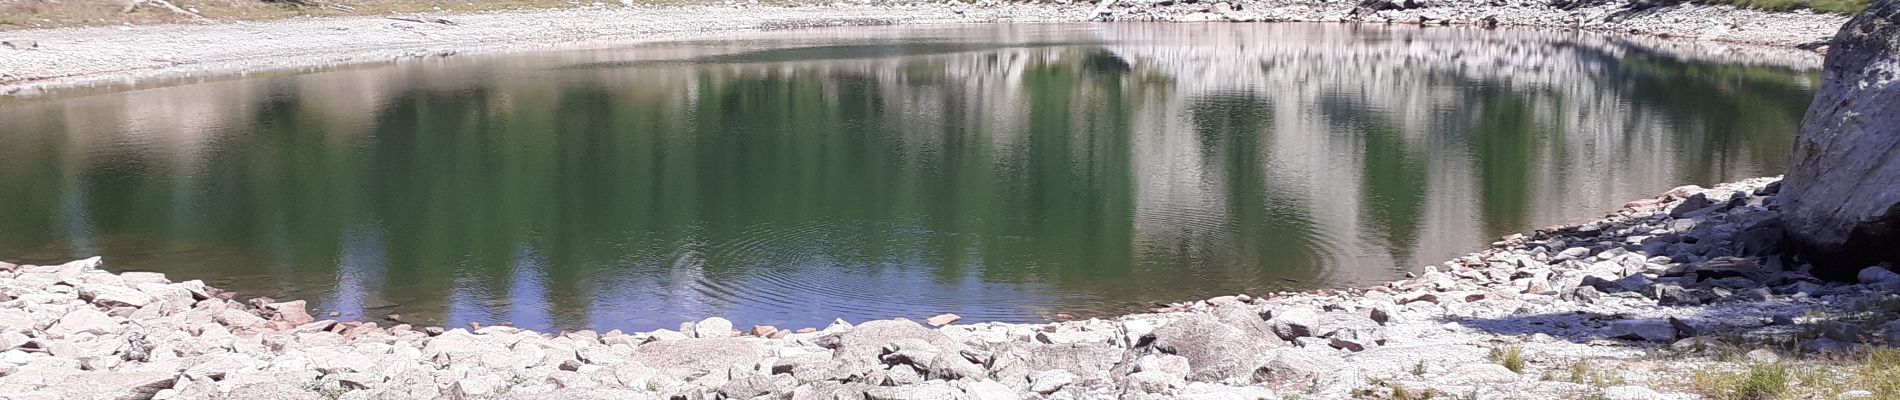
x=1626 y=307
x=35 y=61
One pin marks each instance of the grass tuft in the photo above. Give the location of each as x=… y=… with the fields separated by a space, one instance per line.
x=1759 y=382
x=1512 y=358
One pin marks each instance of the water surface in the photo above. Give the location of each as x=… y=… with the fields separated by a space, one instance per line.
x=1001 y=172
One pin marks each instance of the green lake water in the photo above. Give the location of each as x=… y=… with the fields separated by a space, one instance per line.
x=1000 y=172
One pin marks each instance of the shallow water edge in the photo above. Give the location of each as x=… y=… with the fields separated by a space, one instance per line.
x=1621 y=295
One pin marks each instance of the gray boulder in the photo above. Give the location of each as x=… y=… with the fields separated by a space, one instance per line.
x=686 y=358
x=1840 y=200
x=1216 y=352
x=861 y=349
x=1304 y=366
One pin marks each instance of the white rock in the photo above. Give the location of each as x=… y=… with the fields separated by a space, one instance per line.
x=1135 y=329
x=86 y=320
x=714 y=327
x=1482 y=373
x=988 y=390
x=137 y=277
x=1050 y=381
x=1166 y=364
x=1764 y=356
x=1630 y=393
x=477 y=386
x=116 y=296
x=944 y=319
x=238 y=318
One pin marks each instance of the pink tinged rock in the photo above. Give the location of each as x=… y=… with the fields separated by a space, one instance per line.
x=86 y=320
x=944 y=319
x=115 y=296
x=763 y=330
x=292 y=312
x=238 y=318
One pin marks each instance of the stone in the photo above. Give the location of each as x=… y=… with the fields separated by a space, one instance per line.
x=1674 y=295
x=861 y=348
x=1877 y=275
x=115 y=296
x=1302 y=366
x=932 y=390
x=1382 y=314
x=237 y=318
x=272 y=390
x=1482 y=373
x=988 y=390
x=291 y=312
x=1630 y=393
x=1292 y=323
x=763 y=330
x=911 y=351
x=1216 y=351
x=1050 y=381
x=1356 y=339
x=85 y=320
x=686 y=358
x=1695 y=202
x=944 y=319
x=477 y=387
x=1201 y=391
x=1683 y=329
x=1153 y=382
x=1416 y=297
x=952 y=366
x=1764 y=356
x=749 y=386
x=1842 y=331
x=1643 y=329
x=1135 y=330
x=714 y=327
x=1825 y=345
x=21 y=44
x=1840 y=199
x=1167 y=365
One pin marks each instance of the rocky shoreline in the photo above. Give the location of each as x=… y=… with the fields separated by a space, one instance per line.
x=40 y=60
x=1631 y=306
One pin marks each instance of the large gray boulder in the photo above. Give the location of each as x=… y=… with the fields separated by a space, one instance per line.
x=1216 y=352
x=1841 y=197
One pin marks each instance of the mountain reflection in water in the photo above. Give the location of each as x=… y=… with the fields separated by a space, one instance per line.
x=1001 y=172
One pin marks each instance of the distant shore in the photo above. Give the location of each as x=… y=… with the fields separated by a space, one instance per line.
x=37 y=61
x=1674 y=296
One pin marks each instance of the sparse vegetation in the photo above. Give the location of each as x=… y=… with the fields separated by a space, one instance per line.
x=1419 y=368
x=1583 y=373
x=1511 y=357
x=1832 y=6
x=1758 y=382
